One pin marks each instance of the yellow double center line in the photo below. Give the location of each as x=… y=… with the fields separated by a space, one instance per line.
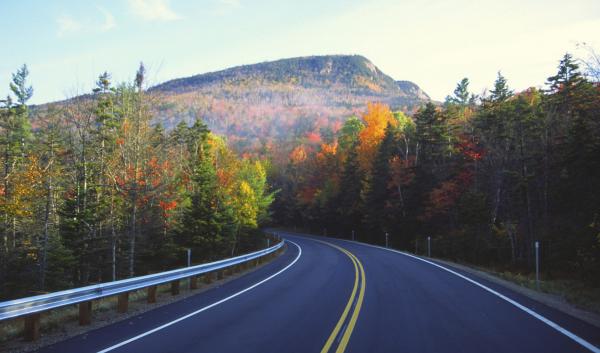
x=359 y=277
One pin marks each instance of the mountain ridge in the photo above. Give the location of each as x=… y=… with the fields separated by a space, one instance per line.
x=355 y=71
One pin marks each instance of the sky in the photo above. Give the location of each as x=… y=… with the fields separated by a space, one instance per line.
x=434 y=43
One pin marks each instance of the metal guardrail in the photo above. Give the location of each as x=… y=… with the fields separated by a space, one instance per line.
x=30 y=306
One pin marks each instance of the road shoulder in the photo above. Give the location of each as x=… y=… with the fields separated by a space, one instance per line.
x=553 y=301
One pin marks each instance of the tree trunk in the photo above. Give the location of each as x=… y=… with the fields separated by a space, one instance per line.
x=113 y=234
x=132 y=238
x=47 y=212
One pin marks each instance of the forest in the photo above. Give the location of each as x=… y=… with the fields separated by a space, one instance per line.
x=96 y=188
x=483 y=176
x=93 y=190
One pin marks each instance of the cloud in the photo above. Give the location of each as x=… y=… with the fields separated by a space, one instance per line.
x=109 y=20
x=153 y=10
x=66 y=25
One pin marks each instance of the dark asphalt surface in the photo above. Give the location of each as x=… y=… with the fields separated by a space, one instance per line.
x=408 y=306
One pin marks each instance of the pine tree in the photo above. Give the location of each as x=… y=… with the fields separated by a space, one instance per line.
x=377 y=216
x=348 y=201
x=501 y=92
x=204 y=220
x=15 y=139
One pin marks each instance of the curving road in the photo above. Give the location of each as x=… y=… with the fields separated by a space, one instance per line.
x=327 y=295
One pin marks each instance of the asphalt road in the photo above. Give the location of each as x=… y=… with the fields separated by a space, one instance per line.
x=327 y=295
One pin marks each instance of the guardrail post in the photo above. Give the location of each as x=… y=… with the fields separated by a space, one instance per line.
x=537 y=265
x=208 y=278
x=428 y=246
x=32 y=327
x=193 y=282
x=85 y=313
x=175 y=287
x=152 y=294
x=123 y=302
x=220 y=274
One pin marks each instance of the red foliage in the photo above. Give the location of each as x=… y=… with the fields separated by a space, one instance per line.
x=470 y=149
x=313 y=137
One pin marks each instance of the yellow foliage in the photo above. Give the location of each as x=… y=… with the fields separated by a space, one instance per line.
x=376 y=119
x=25 y=186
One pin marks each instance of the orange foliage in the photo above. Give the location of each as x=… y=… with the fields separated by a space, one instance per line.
x=298 y=155
x=167 y=206
x=376 y=119
x=328 y=149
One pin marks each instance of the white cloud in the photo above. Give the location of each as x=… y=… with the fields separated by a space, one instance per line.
x=153 y=10
x=66 y=25
x=109 y=20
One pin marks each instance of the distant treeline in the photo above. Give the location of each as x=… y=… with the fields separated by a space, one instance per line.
x=95 y=192
x=485 y=177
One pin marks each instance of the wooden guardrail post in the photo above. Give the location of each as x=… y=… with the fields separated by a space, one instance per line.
x=152 y=294
x=123 y=302
x=194 y=282
x=208 y=278
x=220 y=274
x=32 y=327
x=175 y=287
x=85 y=313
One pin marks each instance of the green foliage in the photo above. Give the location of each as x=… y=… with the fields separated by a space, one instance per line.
x=348 y=134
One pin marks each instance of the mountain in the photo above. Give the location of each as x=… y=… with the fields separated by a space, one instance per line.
x=284 y=99
x=353 y=73
x=278 y=104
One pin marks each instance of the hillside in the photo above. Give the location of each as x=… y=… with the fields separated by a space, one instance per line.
x=283 y=99
x=278 y=104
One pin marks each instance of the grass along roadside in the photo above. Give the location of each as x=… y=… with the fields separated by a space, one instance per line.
x=574 y=292
x=569 y=296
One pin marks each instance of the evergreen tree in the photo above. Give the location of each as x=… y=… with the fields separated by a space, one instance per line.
x=349 y=202
x=203 y=220
x=377 y=214
x=501 y=92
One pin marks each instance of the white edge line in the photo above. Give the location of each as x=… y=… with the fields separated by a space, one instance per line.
x=545 y=320
x=135 y=338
